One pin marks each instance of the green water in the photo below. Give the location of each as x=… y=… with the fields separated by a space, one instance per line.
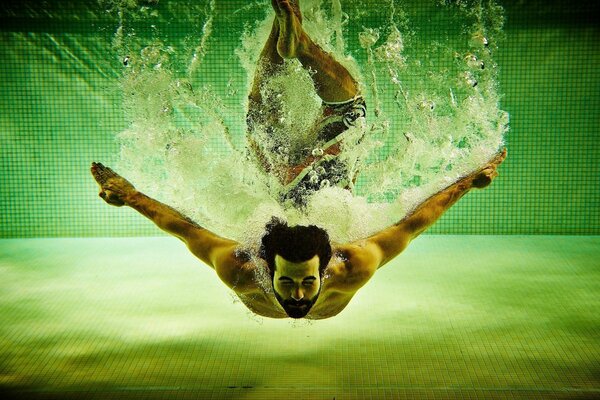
x=62 y=106
x=454 y=317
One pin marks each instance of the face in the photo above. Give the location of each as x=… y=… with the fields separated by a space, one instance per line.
x=296 y=285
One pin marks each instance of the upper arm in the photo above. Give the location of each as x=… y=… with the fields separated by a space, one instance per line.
x=232 y=266
x=360 y=261
x=207 y=246
x=384 y=245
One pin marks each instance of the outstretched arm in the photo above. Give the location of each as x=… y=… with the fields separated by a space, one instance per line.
x=217 y=252
x=388 y=243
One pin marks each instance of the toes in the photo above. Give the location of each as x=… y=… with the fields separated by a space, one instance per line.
x=283 y=6
x=500 y=157
x=275 y=5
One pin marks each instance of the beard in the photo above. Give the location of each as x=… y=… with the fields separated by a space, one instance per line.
x=296 y=309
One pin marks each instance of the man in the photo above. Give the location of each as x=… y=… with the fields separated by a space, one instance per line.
x=310 y=277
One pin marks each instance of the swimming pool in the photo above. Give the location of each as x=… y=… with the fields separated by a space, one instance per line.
x=500 y=303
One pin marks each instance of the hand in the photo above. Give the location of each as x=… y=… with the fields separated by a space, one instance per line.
x=484 y=177
x=114 y=189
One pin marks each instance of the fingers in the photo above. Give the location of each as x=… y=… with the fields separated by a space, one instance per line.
x=111 y=198
x=99 y=172
x=102 y=173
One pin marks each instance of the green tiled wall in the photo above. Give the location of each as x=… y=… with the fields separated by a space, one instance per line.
x=60 y=109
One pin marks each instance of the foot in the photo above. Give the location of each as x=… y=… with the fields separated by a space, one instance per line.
x=114 y=189
x=485 y=176
x=292 y=39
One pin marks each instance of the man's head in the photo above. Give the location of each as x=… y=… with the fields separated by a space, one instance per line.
x=297 y=257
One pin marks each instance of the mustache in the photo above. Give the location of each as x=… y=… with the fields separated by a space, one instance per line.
x=298 y=304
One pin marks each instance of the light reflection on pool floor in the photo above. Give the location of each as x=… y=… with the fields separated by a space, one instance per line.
x=490 y=317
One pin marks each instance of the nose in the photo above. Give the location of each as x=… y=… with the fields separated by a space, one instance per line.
x=297 y=294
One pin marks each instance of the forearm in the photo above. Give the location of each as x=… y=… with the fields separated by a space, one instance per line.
x=215 y=251
x=393 y=240
x=428 y=212
x=166 y=218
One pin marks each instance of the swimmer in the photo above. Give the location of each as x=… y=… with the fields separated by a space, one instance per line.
x=310 y=277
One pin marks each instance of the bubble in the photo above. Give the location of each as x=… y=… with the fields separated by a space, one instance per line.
x=504 y=118
x=470 y=80
x=397 y=150
x=426 y=105
x=479 y=40
x=317 y=152
x=368 y=37
x=473 y=62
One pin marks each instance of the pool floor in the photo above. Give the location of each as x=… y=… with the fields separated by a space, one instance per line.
x=454 y=317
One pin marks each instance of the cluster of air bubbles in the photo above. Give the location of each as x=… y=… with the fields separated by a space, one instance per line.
x=470 y=79
x=479 y=40
x=391 y=51
x=403 y=148
x=474 y=62
x=504 y=119
x=315 y=174
x=426 y=105
x=368 y=38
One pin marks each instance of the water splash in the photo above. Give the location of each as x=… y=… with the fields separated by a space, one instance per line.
x=426 y=71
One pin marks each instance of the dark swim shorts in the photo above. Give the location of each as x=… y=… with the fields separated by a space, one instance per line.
x=323 y=168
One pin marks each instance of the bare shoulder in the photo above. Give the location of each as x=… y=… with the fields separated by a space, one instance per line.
x=236 y=269
x=353 y=265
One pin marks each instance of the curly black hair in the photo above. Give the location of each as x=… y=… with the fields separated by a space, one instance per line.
x=295 y=244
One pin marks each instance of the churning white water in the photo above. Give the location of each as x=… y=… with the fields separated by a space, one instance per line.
x=425 y=69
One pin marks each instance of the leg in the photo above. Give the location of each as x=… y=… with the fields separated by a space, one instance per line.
x=332 y=81
x=268 y=64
